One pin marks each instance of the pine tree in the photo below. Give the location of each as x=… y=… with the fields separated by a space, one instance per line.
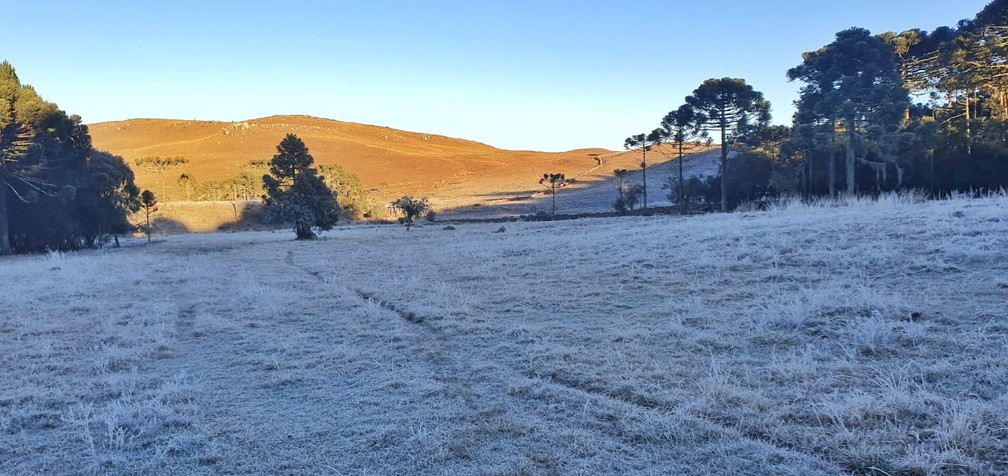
x=295 y=193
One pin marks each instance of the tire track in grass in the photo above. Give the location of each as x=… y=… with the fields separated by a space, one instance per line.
x=658 y=407
x=458 y=379
x=485 y=425
x=455 y=376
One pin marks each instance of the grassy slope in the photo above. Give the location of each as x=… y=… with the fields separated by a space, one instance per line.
x=794 y=341
x=462 y=178
x=391 y=161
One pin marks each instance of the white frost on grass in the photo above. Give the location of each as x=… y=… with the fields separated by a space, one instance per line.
x=858 y=337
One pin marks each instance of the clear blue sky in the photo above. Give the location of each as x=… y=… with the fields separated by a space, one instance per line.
x=517 y=74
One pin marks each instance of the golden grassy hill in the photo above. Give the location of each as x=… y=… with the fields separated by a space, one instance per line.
x=453 y=173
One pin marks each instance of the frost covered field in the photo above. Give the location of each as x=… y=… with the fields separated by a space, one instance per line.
x=866 y=338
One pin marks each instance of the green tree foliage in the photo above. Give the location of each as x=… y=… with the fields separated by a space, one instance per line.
x=552 y=182
x=734 y=109
x=681 y=128
x=644 y=142
x=161 y=165
x=149 y=203
x=410 y=208
x=55 y=189
x=853 y=87
x=353 y=197
x=295 y=193
x=108 y=198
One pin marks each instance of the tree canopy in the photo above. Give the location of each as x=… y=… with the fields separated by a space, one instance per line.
x=680 y=127
x=295 y=193
x=644 y=142
x=56 y=191
x=853 y=86
x=734 y=109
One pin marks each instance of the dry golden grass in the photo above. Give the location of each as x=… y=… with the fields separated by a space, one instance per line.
x=454 y=173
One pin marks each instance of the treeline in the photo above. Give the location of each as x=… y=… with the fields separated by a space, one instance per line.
x=917 y=109
x=175 y=183
x=56 y=190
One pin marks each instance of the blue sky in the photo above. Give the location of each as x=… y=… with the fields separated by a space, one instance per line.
x=514 y=74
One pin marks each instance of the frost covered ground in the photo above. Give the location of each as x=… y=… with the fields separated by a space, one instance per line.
x=866 y=338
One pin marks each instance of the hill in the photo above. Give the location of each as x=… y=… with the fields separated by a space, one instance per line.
x=455 y=174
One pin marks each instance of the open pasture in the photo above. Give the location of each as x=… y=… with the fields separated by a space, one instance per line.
x=866 y=338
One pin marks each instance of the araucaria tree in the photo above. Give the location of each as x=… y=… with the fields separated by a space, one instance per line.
x=295 y=193
x=553 y=181
x=680 y=127
x=160 y=165
x=853 y=88
x=644 y=142
x=733 y=108
x=149 y=203
x=410 y=208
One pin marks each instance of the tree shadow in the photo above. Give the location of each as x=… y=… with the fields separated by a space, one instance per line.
x=594 y=194
x=167 y=226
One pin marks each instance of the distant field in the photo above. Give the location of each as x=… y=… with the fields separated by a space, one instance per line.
x=865 y=338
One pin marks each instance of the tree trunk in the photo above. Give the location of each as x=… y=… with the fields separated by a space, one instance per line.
x=807 y=185
x=849 y=125
x=1004 y=105
x=644 y=172
x=724 y=167
x=5 y=247
x=682 y=185
x=554 y=199
x=832 y=171
x=969 y=132
x=906 y=110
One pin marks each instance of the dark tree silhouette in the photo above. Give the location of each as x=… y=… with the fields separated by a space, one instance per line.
x=55 y=189
x=621 y=187
x=553 y=181
x=852 y=87
x=295 y=193
x=644 y=142
x=680 y=127
x=732 y=107
x=149 y=203
x=410 y=208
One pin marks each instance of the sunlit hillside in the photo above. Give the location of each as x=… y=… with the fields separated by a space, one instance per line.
x=452 y=172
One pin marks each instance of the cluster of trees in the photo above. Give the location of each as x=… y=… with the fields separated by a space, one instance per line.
x=918 y=109
x=247 y=185
x=354 y=198
x=309 y=198
x=56 y=190
x=727 y=106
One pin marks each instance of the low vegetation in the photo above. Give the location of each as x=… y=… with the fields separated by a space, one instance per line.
x=837 y=337
x=411 y=209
